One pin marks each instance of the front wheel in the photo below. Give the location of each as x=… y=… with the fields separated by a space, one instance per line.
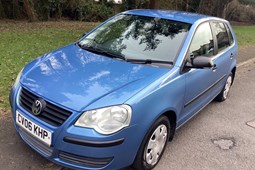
x=225 y=91
x=153 y=145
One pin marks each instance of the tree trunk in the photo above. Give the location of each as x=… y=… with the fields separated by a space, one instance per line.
x=154 y=4
x=29 y=11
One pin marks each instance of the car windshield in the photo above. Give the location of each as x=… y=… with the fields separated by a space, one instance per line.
x=138 y=37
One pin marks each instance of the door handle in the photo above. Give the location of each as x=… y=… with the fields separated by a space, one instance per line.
x=214 y=68
x=231 y=56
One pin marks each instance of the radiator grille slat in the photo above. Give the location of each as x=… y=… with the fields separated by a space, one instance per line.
x=51 y=114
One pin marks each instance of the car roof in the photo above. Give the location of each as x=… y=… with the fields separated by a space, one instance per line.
x=181 y=16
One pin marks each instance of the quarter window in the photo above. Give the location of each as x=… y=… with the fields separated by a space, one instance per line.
x=231 y=39
x=202 y=43
x=221 y=35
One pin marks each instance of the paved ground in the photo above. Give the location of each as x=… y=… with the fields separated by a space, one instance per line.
x=217 y=138
x=246 y=53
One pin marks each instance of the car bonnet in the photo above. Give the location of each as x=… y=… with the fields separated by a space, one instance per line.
x=75 y=78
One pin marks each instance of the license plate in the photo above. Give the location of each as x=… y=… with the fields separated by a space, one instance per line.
x=34 y=129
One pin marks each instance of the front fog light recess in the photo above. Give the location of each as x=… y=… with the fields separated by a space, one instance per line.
x=106 y=120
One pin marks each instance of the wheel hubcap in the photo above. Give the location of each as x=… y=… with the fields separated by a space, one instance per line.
x=155 y=145
x=227 y=87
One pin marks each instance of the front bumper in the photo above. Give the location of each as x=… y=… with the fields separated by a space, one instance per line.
x=61 y=157
x=81 y=148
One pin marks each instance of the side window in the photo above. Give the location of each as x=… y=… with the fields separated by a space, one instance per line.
x=221 y=35
x=202 y=43
x=231 y=39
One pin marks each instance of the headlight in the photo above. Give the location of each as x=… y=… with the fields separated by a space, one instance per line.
x=106 y=120
x=18 y=78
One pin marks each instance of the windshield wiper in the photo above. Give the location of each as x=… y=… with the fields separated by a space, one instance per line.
x=103 y=52
x=148 y=61
x=100 y=51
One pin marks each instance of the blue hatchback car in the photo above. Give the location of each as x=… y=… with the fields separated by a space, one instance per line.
x=115 y=97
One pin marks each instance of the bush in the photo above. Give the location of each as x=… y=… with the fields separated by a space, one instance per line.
x=134 y=4
x=95 y=12
x=87 y=10
x=47 y=9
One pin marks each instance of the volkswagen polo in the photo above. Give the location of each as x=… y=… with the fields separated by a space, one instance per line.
x=115 y=97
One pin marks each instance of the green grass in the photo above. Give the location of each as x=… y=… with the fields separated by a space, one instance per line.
x=245 y=35
x=21 y=42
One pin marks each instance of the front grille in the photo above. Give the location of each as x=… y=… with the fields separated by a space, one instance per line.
x=84 y=161
x=51 y=114
x=46 y=150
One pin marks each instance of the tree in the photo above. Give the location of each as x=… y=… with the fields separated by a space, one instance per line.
x=29 y=11
x=154 y=4
x=230 y=9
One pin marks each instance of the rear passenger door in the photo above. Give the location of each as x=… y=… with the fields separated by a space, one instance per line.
x=224 y=56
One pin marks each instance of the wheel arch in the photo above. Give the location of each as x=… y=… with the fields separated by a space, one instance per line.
x=233 y=71
x=171 y=115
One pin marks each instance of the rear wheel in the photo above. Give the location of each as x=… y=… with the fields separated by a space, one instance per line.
x=225 y=91
x=153 y=145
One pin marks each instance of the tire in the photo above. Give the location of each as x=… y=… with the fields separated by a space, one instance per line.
x=222 y=96
x=153 y=145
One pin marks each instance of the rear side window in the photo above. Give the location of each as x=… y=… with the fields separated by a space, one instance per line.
x=202 y=43
x=231 y=39
x=221 y=35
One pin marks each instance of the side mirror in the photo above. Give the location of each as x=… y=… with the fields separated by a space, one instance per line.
x=202 y=62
